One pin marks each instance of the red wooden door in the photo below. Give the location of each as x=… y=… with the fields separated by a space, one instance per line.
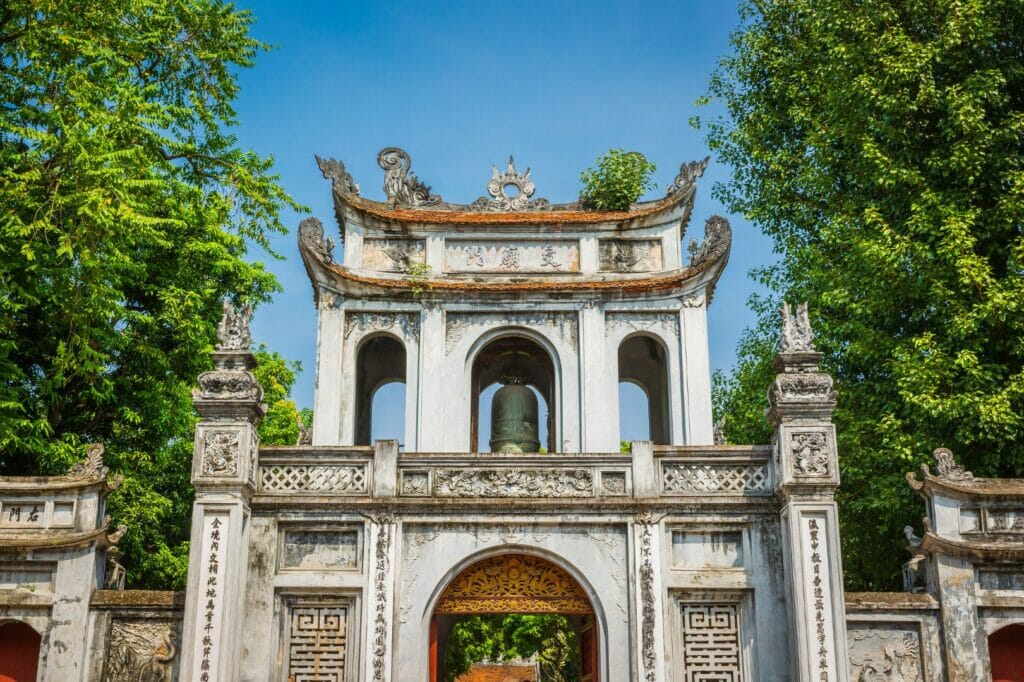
x=19 y=653
x=1006 y=652
x=588 y=650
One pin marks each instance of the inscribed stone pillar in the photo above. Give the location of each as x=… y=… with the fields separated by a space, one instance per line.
x=807 y=473
x=224 y=474
x=651 y=647
x=382 y=534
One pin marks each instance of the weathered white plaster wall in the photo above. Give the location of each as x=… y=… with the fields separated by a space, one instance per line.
x=433 y=550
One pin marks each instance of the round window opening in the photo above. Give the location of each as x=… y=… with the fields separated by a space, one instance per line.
x=511 y=190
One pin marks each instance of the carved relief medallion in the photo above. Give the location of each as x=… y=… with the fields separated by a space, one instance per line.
x=220 y=453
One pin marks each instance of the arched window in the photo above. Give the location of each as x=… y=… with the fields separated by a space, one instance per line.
x=642 y=362
x=493 y=365
x=19 y=652
x=380 y=405
x=1006 y=653
x=634 y=412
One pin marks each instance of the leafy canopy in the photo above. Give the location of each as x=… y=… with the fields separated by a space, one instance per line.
x=127 y=211
x=880 y=144
x=495 y=637
x=619 y=179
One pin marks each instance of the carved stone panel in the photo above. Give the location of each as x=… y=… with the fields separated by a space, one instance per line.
x=810 y=453
x=711 y=642
x=513 y=482
x=319 y=550
x=630 y=255
x=317 y=640
x=220 y=453
x=392 y=255
x=142 y=650
x=885 y=651
x=501 y=256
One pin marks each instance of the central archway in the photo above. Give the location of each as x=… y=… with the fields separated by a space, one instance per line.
x=515 y=584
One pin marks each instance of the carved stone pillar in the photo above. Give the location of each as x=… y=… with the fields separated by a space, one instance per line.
x=801 y=401
x=651 y=646
x=380 y=601
x=224 y=474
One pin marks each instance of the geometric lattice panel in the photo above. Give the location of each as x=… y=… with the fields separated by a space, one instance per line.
x=298 y=478
x=316 y=642
x=711 y=643
x=714 y=478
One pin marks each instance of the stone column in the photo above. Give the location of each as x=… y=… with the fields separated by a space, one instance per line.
x=330 y=338
x=696 y=372
x=432 y=387
x=224 y=474
x=801 y=401
x=599 y=427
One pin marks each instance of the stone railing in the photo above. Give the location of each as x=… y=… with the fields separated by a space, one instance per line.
x=718 y=470
x=490 y=475
x=315 y=471
x=383 y=472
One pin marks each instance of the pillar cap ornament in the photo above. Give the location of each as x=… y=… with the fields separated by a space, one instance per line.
x=801 y=389
x=230 y=390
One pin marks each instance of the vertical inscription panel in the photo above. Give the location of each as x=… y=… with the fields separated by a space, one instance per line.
x=211 y=602
x=711 y=642
x=317 y=639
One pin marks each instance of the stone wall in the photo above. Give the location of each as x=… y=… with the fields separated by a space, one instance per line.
x=135 y=635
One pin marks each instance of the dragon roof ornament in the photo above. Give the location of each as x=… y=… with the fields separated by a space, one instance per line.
x=402 y=187
x=688 y=174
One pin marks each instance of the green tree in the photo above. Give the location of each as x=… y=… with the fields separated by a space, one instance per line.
x=879 y=143
x=494 y=637
x=619 y=179
x=128 y=209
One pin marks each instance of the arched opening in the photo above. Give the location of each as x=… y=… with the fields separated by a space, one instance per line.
x=19 y=652
x=634 y=413
x=511 y=359
x=643 y=363
x=1006 y=653
x=517 y=606
x=380 y=406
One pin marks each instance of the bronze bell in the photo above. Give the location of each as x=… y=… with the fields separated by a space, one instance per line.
x=514 y=417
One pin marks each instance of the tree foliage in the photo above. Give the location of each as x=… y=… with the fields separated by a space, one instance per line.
x=549 y=638
x=879 y=143
x=127 y=211
x=619 y=179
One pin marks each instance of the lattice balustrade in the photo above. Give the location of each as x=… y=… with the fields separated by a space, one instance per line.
x=711 y=643
x=699 y=478
x=316 y=642
x=309 y=478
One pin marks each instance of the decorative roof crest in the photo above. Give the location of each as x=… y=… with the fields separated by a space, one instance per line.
x=796 y=335
x=688 y=174
x=949 y=469
x=91 y=467
x=402 y=187
x=340 y=178
x=717 y=236
x=311 y=233
x=233 y=330
x=501 y=200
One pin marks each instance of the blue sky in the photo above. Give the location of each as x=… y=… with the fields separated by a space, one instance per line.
x=461 y=85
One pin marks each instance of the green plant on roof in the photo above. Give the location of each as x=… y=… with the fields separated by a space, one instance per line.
x=619 y=179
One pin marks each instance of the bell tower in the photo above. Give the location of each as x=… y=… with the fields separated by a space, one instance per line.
x=540 y=309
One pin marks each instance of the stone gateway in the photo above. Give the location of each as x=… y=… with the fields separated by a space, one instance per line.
x=511 y=322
